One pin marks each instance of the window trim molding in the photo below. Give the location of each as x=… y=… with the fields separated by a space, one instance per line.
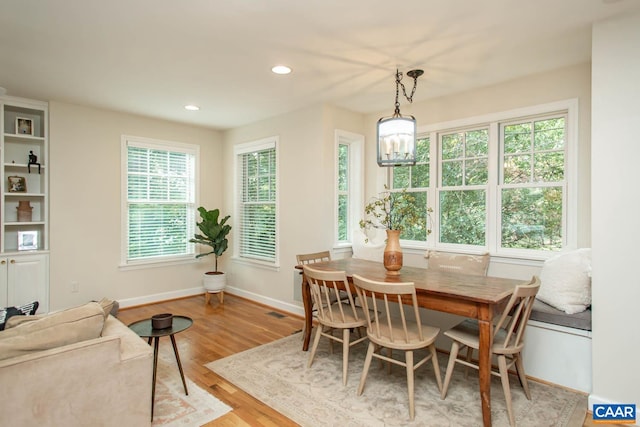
x=244 y=148
x=140 y=141
x=571 y=108
x=356 y=183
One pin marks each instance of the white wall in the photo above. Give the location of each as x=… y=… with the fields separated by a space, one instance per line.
x=85 y=204
x=306 y=174
x=615 y=210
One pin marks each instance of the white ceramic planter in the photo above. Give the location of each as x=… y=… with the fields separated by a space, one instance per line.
x=214 y=282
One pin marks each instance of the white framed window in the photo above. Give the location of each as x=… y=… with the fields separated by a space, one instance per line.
x=462 y=187
x=504 y=183
x=256 y=165
x=349 y=185
x=159 y=187
x=416 y=179
x=532 y=188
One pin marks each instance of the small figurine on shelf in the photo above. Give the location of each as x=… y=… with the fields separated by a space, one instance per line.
x=33 y=160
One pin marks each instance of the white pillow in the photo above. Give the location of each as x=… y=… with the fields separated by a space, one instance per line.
x=373 y=249
x=566 y=281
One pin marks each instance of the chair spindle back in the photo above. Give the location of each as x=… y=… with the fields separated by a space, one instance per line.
x=379 y=299
x=326 y=287
x=516 y=314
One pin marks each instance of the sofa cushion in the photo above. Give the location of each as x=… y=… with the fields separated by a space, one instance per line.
x=23 y=310
x=566 y=281
x=545 y=313
x=107 y=306
x=53 y=330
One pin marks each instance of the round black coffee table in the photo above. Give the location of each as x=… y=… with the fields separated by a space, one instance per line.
x=143 y=329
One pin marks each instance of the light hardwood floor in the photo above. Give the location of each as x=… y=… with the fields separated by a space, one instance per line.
x=220 y=330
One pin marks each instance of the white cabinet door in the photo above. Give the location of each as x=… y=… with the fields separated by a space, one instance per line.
x=3 y=282
x=27 y=280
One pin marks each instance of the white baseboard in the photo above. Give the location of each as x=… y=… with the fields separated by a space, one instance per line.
x=291 y=308
x=597 y=400
x=150 y=299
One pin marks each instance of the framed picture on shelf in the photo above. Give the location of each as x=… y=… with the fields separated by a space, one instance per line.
x=24 y=126
x=17 y=184
x=27 y=240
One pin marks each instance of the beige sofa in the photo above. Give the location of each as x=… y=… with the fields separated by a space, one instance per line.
x=78 y=367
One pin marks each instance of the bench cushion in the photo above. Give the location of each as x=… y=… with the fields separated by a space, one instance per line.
x=545 y=313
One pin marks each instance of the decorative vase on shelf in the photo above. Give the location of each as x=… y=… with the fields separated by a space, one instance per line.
x=393 y=253
x=25 y=211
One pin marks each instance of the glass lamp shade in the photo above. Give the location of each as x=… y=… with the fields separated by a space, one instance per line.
x=397 y=141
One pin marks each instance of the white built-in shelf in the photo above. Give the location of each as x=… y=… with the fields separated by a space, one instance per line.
x=23 y=137
x=24 y=272
x=24 y=166
x=24 y=194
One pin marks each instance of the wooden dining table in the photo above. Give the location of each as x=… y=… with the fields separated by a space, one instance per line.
x=477 y=297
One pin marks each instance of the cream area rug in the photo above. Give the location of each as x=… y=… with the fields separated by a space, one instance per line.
x=173 y=408
x=277 y=374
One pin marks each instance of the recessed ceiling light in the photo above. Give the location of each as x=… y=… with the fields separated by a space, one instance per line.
x=281 y=69
x=191 y=107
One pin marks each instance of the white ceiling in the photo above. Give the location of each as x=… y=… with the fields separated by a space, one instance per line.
x=152 y=57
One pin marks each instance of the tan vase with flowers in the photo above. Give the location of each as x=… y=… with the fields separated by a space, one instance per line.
x=395 y=211
x=393 y=253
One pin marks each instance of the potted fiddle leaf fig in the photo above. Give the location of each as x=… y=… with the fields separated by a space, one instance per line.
x=213 y=234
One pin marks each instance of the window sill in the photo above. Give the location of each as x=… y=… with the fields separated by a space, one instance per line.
x=162 y=262
x=255 y=263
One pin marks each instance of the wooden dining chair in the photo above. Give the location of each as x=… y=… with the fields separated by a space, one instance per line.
x=334 y=313
x=459 y=263
x=508 y=341
x=476 y=265
x=384 y=330
x=313 y=257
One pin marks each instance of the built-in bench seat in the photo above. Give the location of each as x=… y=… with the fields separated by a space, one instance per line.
x=545 y=313
x=558 y=347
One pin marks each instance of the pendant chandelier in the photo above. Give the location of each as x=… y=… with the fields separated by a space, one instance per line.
x=397 y=134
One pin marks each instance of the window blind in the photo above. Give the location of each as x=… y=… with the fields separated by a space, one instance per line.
x=257 y=208
x=160 y=200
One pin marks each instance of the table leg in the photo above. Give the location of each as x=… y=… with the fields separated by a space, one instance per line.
x=175 y=350
x=155 y=370
x=484 y=362
x=308 y=314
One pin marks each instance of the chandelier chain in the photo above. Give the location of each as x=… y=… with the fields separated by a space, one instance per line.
x=404 y=91
x=398 y=78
